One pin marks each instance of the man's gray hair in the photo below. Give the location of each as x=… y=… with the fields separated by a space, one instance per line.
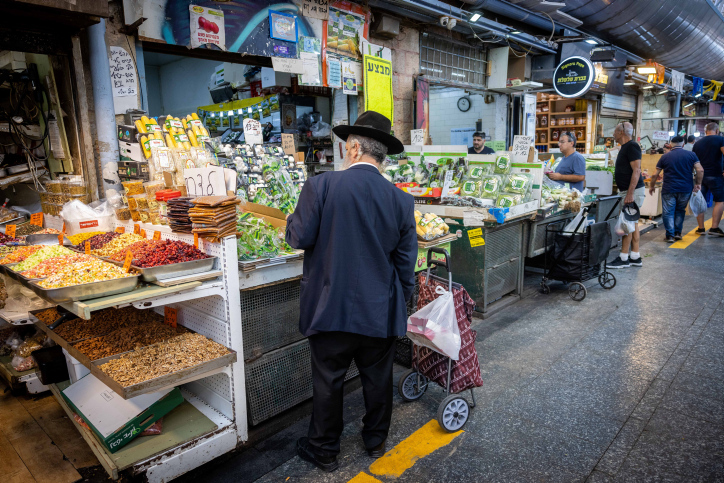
x=370 y=147
x=571 y=137
x=627 y=128
x=712 y=127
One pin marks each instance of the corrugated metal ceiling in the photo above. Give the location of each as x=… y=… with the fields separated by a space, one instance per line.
x=686 y=35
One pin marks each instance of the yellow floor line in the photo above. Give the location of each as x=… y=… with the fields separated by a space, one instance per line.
x=419 y=444
x=690 y=237
x=363 y=477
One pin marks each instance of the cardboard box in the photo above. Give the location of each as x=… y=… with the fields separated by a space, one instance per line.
x=134 y=170
x=131 y=150
x=534 y=168
x=274 y=216
x=299 y=157
x=127 y=133
x=114 y=420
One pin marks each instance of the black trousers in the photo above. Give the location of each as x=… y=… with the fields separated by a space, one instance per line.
x=332 y=353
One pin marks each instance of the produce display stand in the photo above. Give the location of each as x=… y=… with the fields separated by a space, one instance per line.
x=213 y=419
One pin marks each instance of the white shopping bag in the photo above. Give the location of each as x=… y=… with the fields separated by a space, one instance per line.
x=435 y=325
x=697 y=203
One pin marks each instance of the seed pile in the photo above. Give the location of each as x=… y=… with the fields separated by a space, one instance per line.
x=130 y=338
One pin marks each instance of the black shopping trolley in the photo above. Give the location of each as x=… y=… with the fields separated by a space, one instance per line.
x=431 y=366
x=576 y=256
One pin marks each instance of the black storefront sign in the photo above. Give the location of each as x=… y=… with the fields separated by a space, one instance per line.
x=573 y=77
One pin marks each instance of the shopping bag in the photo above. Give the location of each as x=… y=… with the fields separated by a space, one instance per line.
x=576 y=223
x=697 y=203
x=435 y=325
x=623 y=226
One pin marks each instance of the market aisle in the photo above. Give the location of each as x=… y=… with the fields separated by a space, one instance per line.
x=38 y=442
x=623 y=386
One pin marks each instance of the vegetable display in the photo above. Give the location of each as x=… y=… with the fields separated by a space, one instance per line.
x=258 y=239
x=430 y=226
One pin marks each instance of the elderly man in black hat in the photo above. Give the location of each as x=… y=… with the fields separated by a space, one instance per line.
x=360 y=247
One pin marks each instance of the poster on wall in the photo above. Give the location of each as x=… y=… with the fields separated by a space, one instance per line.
x=334 y=73
x=282 y=26
x=207 y=27
x=378 y=85
x=310 y=52
x=422 y=107
x=123 y=79
x=351 y=77
x=345 y=30
x=289 y=117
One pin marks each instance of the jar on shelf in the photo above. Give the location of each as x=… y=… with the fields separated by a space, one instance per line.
x=569 y=108
x=553 y=121
x=579 y=134
x=545 y=108
x=555 y=135
x=544 y=121
x=543 y=137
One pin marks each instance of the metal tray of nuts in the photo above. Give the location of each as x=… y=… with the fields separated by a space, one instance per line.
x=174 y=379
x=46 y=239
x=85 y=291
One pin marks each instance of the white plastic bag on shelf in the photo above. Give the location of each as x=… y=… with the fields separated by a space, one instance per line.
x=435 y=325
x=697 y=203
x=79 y=217
x=571 y=227
x=321 y=129
x=623 y=226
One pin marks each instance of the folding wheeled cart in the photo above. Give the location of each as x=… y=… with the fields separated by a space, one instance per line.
x=577 y=256
x=431 y=366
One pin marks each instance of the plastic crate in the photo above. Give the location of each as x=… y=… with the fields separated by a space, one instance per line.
x=76 y=370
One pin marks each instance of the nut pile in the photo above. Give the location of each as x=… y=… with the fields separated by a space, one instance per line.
x=167 y=252
x=48 y=267
x=179 y=353
x=103 y=322
x=130 y=338
x=27 y=229
x=119 y=243
x=97 y=241
x=84 y=272
x=20 y=254
x=78 y=238
x=48 y=316
x=45 y=253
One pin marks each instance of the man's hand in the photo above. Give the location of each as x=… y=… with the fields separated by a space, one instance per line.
x=287 y=217
x=629 y=198
x=554 y=176
x=697 y=187
x=651 y=189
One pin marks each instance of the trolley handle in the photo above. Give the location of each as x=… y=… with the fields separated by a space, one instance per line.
x=438 y=263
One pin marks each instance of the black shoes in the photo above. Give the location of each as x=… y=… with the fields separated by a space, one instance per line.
x=701 y=231
x=677 y=236
x=324 y=463
x=716 y=232
x=378 y=451
x=618 y=263
x=636 y=263
x=670 y=239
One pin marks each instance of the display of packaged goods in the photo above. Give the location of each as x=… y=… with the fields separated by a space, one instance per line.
x=491 y=185
x=123 y=213
x=430 y=226
x=518 y=183
x=502 y=164
x=143 y=216
x=508 y=200
x=470 y=188
x=133 y=187
x=97 y=241
x=50 y=266
x=20 y=254
x=78 y=238
x=41 y=255
x=84 y=272
x=140 y=201
x=476 y=171
x=174 y=355
x=135 y=216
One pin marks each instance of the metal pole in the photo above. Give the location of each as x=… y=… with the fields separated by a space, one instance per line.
x=677 y=106
x=104 y=111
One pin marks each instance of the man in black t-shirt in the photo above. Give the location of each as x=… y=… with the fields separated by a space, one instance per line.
x=710 y=151
x=479 y=146
x=630 y=185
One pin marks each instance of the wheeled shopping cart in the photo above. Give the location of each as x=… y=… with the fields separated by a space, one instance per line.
x=429 y=366
x=576 y=256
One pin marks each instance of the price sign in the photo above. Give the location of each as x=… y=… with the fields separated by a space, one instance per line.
x=288 y=144
x=417 y=137
x=87 y=248
x=156 y=235
x=447 y=183
x=120 y=229
x=521 y=147
x=252 y=132
x=170 y=316
x=63 y=230
x=10 y=230
x=285 y=64
x=36 y=219
x=61 y=239
x=137 y=229
x=143 y=233
x=127 y=261
x=205 y=181
x=196 y=240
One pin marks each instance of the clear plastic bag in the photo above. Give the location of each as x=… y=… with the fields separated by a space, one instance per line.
x=623 y=226
x=435 y=325
x=697 y=203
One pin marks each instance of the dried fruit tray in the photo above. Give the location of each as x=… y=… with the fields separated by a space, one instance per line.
x=85 y=291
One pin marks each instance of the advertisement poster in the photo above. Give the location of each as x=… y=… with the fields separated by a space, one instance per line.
x=334 y=73
x=282 y=26
x=345 y=30
x=310 y=52
x=422 y=107
x=289 y=117
x=378 y=85
x=207 y=27
x=351 y=76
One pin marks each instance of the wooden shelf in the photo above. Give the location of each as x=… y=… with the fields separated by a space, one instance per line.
x=573 y=125
x=570 y=112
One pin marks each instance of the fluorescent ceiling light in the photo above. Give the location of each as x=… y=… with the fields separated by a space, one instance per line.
x=629 y=83
x=647 y=87
x=240 y=111
x=475 y=17
x=672 y=133
x=646 y=70
x=655 y=110
x=663 y=92
x=591 y=41
x=689 y=104
x=697 y=134
x=515 y=32
x=698 y=95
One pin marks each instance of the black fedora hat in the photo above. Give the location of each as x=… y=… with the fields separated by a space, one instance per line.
x=373 y=125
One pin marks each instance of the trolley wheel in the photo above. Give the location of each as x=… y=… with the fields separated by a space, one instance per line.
x=453 y=413
x=408 y=388
x=544 y=288
x=607 y=280
x=577 y=291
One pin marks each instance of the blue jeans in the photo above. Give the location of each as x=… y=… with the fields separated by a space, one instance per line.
x=673 y=207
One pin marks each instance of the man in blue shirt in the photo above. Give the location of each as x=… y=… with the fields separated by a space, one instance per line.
x=678 y=165
x=572 y=168
x=710 y=151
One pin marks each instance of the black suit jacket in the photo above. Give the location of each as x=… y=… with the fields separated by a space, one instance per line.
x=360 y=247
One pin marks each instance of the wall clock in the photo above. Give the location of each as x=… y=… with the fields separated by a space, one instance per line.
x=464 y=104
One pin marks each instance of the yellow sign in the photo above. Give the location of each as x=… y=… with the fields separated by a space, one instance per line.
x=475 y=232
x=477 y=241
x=378 y=85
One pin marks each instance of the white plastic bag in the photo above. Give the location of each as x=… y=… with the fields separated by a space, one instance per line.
x=623 y=226
x=435 y=325
x=571 y=227
x=697 y=203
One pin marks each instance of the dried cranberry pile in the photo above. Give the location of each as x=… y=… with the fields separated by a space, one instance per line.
x=97 y=241
x=167 y=252
x=7 y=239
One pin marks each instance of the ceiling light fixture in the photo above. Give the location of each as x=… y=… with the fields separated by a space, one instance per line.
x=697 y=95
x=672 y=133
x=663 y=92
x=697 y=134
x=647 y=87
x=475 y=17
x=629 y=83
x=655 y=110
x=515 y=32
x=591 y=41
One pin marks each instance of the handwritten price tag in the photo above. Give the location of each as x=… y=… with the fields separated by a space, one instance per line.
x=127 y=261
x=143 y=233
x=87 y=248
x=170 y=316
x=156 y=235
x=120 y=229
x=196 y=240
x=10 y=230
x=137 y=229
x=316 y=9
x=63 y=230
x=36 y=219
x=288 y=144
x=417 y=137
x=61 y=239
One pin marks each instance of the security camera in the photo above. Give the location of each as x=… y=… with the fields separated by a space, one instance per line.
x=444 y=21
x=451 y=24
